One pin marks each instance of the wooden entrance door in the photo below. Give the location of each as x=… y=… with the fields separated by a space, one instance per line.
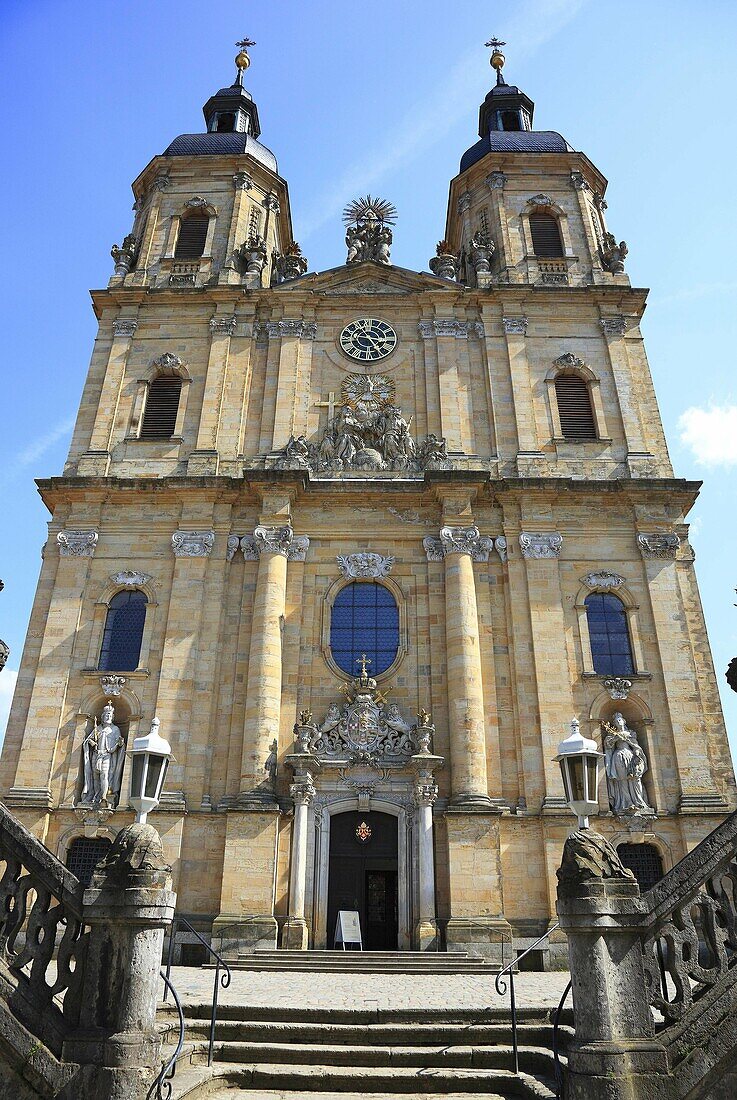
x=363 y=875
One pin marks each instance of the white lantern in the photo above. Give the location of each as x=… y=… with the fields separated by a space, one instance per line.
x=150 y=759
x=579 y=759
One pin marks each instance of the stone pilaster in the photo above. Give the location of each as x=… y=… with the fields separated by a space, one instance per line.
x=530 y=459
x=296 y=933
x=639 y=458
x=295 y=348
x=205 y=458
x=96 y=460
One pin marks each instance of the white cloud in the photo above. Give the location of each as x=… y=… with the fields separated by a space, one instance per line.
x=36 y=448
x=8 y=678
x=711 y=434
x=425 y=124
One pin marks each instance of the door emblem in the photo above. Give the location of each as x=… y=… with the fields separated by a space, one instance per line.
x=363 y=832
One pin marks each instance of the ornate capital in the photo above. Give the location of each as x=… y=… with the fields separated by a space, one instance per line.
x=425 y=794
x=603 y=580
x=477 y=328
x=464 y=202
x=77 y=544
x=659 y=544
x=271 y=202
x=112 y=685
x=458 y=540
x=539 y=545
x=500 y=545
x=252 y=548
x=242 y=181
x=618 y=687
x=124 y=326
x=273 y=540
x=162 y=182
x=426 y=329
x=613 y=326
x=129 y=578
x=495 y=181
x=364 y=565
x=307 y=330
x=515 y=326
x=568 y=359
x=302 y=791
x=192 y=544
x=442 y=327
x=578 y=183
x=223 y=326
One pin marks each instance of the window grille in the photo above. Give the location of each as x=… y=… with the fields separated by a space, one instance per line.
x=162 y=406
x=364 y=619
x=644 y=861
x=574 y=407
x=192 y=236
x=121 y=641
x=609 y=635
x=84 y=854
x=545 y=235
x=254 y=222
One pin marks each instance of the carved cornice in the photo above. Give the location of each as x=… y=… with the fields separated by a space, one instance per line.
x=77 y=544
x=364 y=565
x=515 y=326
x=442 y=327
x=242 y=181
x=613 y=326
x=603 y=580
x=129 y=578
x=458 y=540
x=192 y=544
x=495 y=181
x=124 y=326
x=659 y=544
x=223 y=326
x=540 y=545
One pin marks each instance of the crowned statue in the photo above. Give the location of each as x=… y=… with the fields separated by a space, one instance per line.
x=103 y=756
x=625 y=766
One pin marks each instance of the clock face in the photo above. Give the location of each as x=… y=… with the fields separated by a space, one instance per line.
x=368 y=339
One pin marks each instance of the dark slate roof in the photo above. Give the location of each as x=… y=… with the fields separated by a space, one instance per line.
x=221 y=145
x=515 y=141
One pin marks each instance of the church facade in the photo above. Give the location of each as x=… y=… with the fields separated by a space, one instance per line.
x=365 y=542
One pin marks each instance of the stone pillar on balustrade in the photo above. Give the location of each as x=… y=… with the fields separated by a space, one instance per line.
x=297 y=931
x=424 y=764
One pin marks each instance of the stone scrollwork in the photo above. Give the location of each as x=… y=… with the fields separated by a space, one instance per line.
x=659 y=544
x=273 y=540
x=168 y=361
x=618 y=687
x=540 y=200
x=425 y=794
x=569 y=360
x=540 y=545
x=458 y=540
x=112 y=685
x=603 y=580
x=464 y=202
x=129 y=578
x=192 y=544
x=480 y=252
x=515 y=326
x=364 y=565
x=223 y=326
x=302 y=791
x=77 y=544
x=500 y=545
x=613 y=326
x=125 y=326
x=586 y=858
x=495 y=181
x=242 y=181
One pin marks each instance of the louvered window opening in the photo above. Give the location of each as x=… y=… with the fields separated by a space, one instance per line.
x=644 y=861
x=162 y=406
x=574 y=408
x=121 y=640
x=364 y=619
x=84 y=854
x=609 y=635
x=545 y=235
x=192 y=237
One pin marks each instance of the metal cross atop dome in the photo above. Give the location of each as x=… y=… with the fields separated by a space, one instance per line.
x=242 y=60
x=497 y=58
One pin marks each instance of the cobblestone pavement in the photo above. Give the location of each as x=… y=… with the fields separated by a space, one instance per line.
x=310 y=989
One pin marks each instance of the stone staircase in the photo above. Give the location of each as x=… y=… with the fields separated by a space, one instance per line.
x=361 y=962
x=322 y=1054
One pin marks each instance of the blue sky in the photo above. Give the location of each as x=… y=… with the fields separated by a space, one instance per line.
x=357 y=97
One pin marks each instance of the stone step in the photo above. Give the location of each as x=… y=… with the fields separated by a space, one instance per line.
x=367 y=965
x=261 y=1080
x=363 y=1016
x=477 y=1056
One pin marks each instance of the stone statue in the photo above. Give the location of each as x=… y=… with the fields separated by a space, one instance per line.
x=368 y=236
x=124 y=254
x=625 y=766
x=271 y=764
x=445 y=263
x=103 y=756
x=433 y=454
x=296 y=454
x=614 y=254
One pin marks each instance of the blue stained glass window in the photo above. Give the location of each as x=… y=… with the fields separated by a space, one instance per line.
x=609 y=635
x=364 y=619
x=121 y=642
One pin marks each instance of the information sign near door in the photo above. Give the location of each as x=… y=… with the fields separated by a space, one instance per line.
x=348 y=930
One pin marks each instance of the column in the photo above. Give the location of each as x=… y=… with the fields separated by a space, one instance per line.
x=296 y=934
x=425 y=794
x=96 y=460
x=264 y=685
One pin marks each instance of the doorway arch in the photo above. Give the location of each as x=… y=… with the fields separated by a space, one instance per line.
x=362 y=876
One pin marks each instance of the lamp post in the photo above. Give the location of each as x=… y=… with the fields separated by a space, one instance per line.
x=151 y=755
x=579 y=759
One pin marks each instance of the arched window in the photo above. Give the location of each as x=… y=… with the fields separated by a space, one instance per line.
x=121 y=642
x=162 y=406
x=609 y=635
x=84 y=854
x=192 y=236
x=364 y=619
x=574 y=407
x=644 y=861
x=546 y=235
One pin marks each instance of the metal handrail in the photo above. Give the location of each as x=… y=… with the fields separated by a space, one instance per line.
x=220 y=980
x=556 y=1055
x=162 y=1084
x=501 y=988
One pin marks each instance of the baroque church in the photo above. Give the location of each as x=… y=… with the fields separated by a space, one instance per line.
x=365 y=543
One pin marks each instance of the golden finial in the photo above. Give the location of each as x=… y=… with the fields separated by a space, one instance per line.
x=242 y=60
x=497 y=58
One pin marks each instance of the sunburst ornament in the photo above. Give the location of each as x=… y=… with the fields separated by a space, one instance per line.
x=369 y=209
